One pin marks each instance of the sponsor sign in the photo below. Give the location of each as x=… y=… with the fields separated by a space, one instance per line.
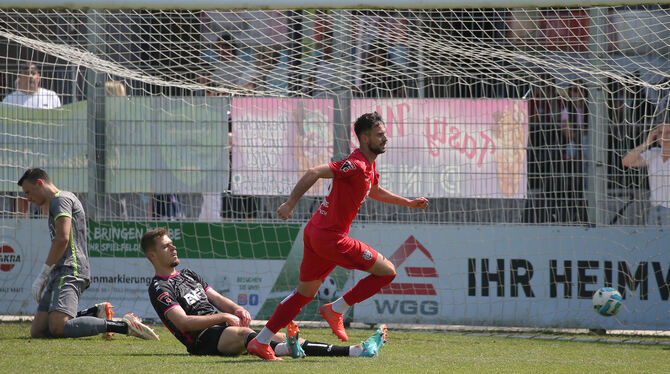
x=18 y=263
x=228 y=256
x=518 y=276
x=9 y=258
x=511 y=276
x=451 y=147
x=53 y=139
x=275 y=140
x=194 y=239
x=125 y=281
x=11 y=265
x=166 y=144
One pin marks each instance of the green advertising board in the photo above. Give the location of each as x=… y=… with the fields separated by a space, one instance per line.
x=196 y=239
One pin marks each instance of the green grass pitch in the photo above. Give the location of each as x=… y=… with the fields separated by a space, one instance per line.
x=405 y=352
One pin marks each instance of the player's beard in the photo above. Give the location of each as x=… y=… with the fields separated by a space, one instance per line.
x=174 y=263
x=377 y=150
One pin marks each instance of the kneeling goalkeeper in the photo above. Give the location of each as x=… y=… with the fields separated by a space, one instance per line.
x=208 y=323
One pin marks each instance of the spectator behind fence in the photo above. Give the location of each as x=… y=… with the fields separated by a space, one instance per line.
x=542 y=116
x=232 y=72
x=574 y=122
x=115 y=88
x=662 y=108
x=544 y=155
x=272 y=68
x=125 y=210
x=167 y=206
x=229 y=71
x=656 y=161
x=638 y=107
x=324 y=78
x=376 y=80
x=29 y=93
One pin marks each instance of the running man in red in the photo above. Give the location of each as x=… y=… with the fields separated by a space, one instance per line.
x=326 y=236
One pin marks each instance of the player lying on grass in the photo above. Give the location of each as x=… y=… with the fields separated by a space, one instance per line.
x=326 y=237
x=208 y=323
x=65 y=273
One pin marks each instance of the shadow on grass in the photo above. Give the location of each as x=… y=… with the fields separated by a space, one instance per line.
x=147 y=354
x=132 y=354
x=244 y=359
x=252 y=360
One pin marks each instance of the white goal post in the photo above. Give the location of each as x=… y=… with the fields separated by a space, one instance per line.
x=512 y=117
x=317 y=4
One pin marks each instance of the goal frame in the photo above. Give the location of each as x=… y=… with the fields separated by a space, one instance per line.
x=314 y=4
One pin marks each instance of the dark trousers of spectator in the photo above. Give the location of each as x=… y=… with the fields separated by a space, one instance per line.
x=167 y=205
x=561 y=198
x=239 y=206
x=569 y=191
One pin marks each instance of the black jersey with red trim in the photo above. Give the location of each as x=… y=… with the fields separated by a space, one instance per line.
x=186 y=289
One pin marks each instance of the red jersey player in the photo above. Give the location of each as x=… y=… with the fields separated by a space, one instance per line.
x=326 y=236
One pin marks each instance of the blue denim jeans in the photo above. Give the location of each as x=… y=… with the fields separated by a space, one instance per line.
x=658 y=216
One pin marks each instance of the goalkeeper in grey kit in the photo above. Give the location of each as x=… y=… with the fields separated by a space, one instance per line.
x=66 y=271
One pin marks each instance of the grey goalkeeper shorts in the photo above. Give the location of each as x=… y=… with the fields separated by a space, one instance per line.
x=62 y=293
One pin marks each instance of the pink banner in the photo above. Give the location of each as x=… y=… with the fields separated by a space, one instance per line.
x=275 y=140
x=451 y=147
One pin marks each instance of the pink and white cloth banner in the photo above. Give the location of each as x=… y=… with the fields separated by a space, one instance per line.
x=275 y=140
x=463 y=148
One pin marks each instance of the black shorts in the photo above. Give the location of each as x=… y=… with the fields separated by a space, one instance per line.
x=207 y=341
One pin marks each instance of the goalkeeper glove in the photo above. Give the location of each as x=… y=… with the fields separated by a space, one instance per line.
x=39 y=283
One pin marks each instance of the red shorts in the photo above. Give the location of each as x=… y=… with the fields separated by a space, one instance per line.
x=326 y=249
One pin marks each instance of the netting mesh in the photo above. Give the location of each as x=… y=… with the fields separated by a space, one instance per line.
x=501 y=117
x=553 y=59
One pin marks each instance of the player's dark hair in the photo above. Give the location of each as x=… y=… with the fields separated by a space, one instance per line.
x=226 y=41
x=29 y=68
x=149 y=238
x=32 y=175
x=366 y=122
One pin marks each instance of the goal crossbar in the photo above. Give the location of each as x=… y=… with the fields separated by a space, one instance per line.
x=313 y=4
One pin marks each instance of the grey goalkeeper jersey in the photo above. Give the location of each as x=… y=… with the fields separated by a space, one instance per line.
x=75 y=258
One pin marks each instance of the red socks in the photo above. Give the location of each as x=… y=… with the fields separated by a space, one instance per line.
x=287 y=310
x=367 y=287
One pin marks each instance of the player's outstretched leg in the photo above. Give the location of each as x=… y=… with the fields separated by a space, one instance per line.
x=293 y=341
x=285 y=312
x=375 y=342
x=105 y=311
x=335 y=321
x=138 y=329
x=263 y=351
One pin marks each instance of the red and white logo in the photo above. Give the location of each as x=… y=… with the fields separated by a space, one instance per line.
x=165 y=298
x=419 y=288
x=8 y=258
x=348 y=166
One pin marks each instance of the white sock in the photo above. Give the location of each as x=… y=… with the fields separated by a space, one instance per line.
x=340 y=306
x=281 y=349
x=265 y=336
x=355 y=350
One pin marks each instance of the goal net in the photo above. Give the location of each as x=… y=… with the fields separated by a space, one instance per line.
x=513 y=122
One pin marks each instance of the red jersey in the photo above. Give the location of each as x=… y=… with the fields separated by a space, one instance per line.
x=353 y=178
